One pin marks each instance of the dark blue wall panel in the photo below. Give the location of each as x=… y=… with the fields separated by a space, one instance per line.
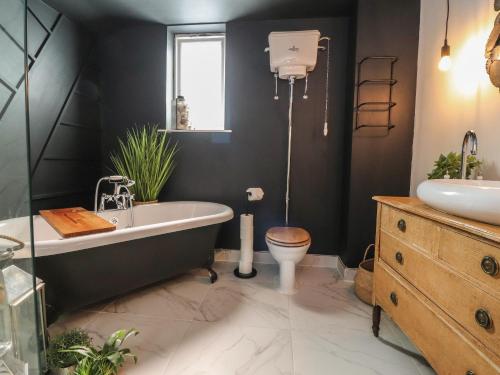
x=64 y=111
x=380 y=162
x=219 y=168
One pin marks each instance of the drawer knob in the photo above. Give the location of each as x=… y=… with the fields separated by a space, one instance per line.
x=394 y=298
x=489 y=265
x=470 y=372
x=402 y=225
x=399 y=257
x=483 y=318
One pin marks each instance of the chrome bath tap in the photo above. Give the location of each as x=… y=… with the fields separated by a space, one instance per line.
x=121 y=200
x=121 y=197
x=471 y=137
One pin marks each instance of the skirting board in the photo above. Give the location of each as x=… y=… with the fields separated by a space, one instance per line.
x=310 y=260
x=347 y=273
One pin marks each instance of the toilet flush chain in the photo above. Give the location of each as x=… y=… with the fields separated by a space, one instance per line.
x=292 y=56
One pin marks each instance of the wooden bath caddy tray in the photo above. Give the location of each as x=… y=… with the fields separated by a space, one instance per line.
x=76 y=221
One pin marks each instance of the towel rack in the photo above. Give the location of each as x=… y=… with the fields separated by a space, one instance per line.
x=375 y=105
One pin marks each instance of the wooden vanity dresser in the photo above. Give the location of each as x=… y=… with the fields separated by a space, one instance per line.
x=437 y=276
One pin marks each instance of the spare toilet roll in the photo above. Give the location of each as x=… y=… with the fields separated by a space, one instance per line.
x=246 y=236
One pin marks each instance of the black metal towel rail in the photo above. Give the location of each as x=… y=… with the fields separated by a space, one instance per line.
x=375 y=105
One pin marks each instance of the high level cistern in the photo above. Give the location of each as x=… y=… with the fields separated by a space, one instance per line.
x=292 y=56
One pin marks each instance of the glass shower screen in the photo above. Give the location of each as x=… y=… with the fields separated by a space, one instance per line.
x=21 y=329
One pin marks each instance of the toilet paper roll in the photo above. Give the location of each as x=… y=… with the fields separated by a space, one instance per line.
x=246 y=226
x=255 y=194
x=246 y=236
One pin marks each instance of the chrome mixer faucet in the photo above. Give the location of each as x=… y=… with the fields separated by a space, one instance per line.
x=470 y=137
x=121 y=197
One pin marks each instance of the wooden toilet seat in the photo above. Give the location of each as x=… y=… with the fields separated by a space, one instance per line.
x=288 y=236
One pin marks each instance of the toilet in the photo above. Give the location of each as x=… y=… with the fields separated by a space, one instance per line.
x=288 y=246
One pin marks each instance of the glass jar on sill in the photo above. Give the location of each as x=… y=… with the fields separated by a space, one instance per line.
x=182 y=113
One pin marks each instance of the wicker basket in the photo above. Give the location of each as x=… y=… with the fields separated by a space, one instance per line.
x=363 y=281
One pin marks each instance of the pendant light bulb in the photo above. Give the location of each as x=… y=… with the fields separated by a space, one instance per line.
x=445 y=62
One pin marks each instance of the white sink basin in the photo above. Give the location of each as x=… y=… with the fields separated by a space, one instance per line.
x=473 y=199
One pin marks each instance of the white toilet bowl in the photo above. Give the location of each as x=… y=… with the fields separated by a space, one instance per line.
x=288 y=246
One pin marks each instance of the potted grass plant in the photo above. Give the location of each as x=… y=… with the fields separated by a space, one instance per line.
x=61 y=362
x=147 y=157
x=105 y=360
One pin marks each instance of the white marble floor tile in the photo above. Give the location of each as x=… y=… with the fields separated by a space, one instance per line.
x=100 y=306
x=220 y=349
x=422 y=366
x=318 y=276
x=80 y=319
x=176 y=299
x=246 y=304
x=267 y=274
x=235 y=327
x=328 y=305
x=341 y=350
x=154 y=345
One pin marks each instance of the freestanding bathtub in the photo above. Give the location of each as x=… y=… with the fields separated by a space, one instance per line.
x=167 y=239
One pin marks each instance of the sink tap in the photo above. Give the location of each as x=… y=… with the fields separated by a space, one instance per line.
x=470 y=136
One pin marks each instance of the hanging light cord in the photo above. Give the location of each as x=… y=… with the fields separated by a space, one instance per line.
x=447 y=19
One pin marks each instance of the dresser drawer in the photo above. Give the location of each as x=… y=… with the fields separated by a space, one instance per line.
x=474 y=258
x=409 y=228
x=401 y=257
x=441 y=341
x=455 y=295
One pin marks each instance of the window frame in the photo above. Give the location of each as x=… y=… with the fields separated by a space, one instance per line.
x=181 y=38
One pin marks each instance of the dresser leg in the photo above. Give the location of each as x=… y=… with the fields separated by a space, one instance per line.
x=376 y=319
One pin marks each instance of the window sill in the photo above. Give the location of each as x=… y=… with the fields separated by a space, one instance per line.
x=194 y=131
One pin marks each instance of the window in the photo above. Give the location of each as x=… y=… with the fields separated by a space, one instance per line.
x=199 y=78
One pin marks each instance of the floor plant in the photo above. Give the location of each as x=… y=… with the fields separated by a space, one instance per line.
x=105 y=360
x=58 y=359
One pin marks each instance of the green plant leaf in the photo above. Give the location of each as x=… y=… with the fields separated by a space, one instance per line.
x=147 y=157
x=106 y=360
x=451 y=165
x=58 y=355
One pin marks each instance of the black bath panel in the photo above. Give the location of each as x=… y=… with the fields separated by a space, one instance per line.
x=81 y=278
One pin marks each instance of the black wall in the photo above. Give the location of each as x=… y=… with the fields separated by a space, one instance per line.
x=64 y=110
x=13 y=146
x=219 y=167
x=333 y=178
x=133 y=81
x=380 y=162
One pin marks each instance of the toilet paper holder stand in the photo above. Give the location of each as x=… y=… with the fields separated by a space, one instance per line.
x=252 y=195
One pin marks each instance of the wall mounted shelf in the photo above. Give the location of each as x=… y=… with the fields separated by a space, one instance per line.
x=375 y=105
x=391 y=82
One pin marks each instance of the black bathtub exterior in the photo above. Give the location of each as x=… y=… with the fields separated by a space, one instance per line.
x=81 y=278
